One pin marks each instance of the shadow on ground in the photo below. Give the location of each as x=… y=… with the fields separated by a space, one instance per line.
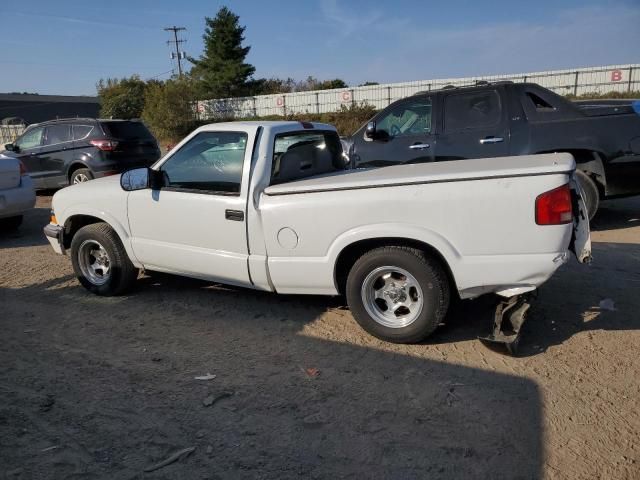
x=104 y=387
x=617 y=214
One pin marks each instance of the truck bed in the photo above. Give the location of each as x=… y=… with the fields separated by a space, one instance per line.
x=460 y=170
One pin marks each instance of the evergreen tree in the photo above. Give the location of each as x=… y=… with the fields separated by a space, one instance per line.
x=221 y=71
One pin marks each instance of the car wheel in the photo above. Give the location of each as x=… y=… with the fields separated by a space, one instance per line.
x=100 y=261
x=591 y=192
x=80 y=176
x=397 y=294
x=11 y=223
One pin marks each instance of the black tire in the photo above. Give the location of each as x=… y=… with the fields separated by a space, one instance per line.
x=80 y=175
x=430 y=277
x=11 y=223
x=591 y=192
x=121 y=275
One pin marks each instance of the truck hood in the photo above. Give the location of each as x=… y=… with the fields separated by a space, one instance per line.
x=450 y=171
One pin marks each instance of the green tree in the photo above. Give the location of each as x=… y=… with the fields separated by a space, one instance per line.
x=329 y=84
x=221 y=71
x=169 y=108
x=121 y=98
x=268 y=86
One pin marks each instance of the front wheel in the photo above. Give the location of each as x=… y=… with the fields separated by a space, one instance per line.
x=100 y=261
x=397 y=294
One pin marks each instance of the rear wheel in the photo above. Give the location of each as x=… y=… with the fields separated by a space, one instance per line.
x=100 y=261
x=397 y=294
x=80 y=176
x=11 y=223
x=591 y=192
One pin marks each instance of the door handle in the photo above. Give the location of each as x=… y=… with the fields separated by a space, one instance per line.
x=419 y=146
x=235 y=215
x=488 y=140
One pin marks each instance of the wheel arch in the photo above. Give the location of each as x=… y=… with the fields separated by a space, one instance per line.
x=76 y=221
x=351 y=252
x=76 y=165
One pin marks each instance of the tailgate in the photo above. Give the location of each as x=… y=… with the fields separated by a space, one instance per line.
x=9 y=173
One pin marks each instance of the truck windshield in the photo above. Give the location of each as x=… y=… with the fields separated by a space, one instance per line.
x=299 y=155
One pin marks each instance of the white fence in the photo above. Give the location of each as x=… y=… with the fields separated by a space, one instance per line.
x=620 y=78
x=8 y=133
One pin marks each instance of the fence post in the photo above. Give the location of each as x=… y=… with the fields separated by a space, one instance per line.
x=284 y=105
x=353 y=101
x=630 y=77
x=575 y=85
x=255 y=110
x=388 y=95
x=524 y=79
x=317 y=103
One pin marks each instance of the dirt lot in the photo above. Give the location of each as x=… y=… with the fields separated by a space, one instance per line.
x=104 y=387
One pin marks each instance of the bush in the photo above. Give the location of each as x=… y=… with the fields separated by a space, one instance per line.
x=347 y=120
x=122 y=98
x=169 y=110
x=604 y=96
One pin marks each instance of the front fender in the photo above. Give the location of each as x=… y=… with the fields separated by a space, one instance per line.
x=118 y=226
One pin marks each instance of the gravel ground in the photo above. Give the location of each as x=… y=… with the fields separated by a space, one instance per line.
x=96 y=387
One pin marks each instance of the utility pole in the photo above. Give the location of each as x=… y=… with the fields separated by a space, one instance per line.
x=179 y=55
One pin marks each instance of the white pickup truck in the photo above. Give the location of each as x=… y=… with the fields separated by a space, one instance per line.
x=270 y=206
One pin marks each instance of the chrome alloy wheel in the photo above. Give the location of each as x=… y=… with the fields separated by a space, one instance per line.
x=94 y=262
x=80 y=178
x=392 y=296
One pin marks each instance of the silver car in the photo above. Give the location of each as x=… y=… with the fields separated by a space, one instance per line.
x=17 y=194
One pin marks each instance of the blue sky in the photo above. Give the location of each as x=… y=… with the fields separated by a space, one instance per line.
x=66 y=46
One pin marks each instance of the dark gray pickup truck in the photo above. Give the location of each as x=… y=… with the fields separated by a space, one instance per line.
x=504 y=119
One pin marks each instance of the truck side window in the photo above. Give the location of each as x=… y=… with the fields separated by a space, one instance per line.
x=210 y=162
x=471 y=110
x=539 y=103
x=304 y=154
x=412 y=117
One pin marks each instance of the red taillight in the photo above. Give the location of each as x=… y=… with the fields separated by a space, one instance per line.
x=23 y=169
x=105 y=145
x=554 y=207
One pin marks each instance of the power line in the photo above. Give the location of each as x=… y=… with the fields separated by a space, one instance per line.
x=160 y=74
x=179 y=55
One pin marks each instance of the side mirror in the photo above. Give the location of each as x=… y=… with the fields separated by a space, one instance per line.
x=11 y=147
x=136 y=179
x=370 y=131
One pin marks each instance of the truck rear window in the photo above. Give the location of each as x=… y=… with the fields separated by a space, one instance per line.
x=299 y=155
x=126 y=130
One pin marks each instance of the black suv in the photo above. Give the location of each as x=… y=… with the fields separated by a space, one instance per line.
x=63 y=152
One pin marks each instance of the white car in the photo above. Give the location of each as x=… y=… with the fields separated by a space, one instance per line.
x=17 y=194
x=270 y=206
